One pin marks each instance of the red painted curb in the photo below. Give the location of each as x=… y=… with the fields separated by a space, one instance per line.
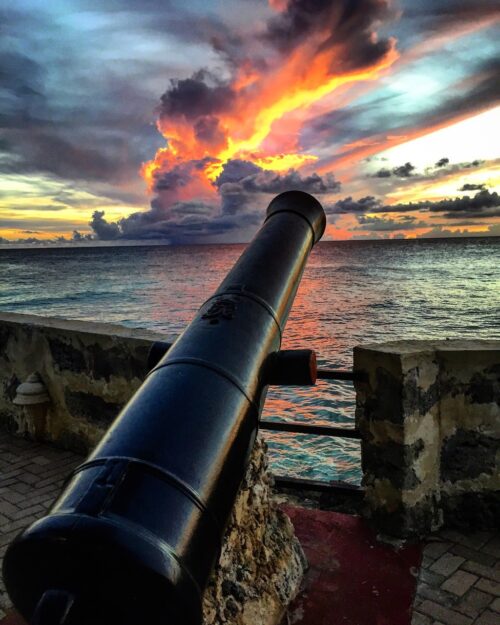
x=352 y=579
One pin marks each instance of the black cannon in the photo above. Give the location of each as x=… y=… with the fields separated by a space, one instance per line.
x=134 y=535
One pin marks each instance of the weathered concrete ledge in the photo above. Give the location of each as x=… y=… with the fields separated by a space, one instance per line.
x=429 y=416
x=90 y=371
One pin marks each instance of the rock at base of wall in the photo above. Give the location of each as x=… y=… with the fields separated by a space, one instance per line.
x=261 y=563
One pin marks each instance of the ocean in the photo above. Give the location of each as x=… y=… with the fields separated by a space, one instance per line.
x=352 y=292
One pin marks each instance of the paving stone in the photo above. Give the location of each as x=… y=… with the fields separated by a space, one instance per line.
x=495 y=605
x=471 y=554
x=7 y=509
x=28 y=478
x=436 y=594
x=436 y=549
x=445 y=615
x=41 y=460
x=481 y=570
x=474 y=602
x=487 y=618
x=459 y=583
x=488 y=586
x=430 y=578
x=420 y=619
x=12 y=497
x=19 y=487
x=447 y=564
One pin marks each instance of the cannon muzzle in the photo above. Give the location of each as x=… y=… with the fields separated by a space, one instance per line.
x=136 y=531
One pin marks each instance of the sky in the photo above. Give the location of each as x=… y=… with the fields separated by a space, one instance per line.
x=178 y=121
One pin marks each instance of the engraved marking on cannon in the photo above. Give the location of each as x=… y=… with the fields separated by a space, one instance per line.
x=221 y=309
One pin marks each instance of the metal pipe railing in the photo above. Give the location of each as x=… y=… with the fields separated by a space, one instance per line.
x=297 y=427
x=136 y=532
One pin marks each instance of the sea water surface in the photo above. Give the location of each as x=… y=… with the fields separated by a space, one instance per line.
x=352 y=293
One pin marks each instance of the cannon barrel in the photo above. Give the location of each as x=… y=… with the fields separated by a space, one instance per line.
x=138 y=527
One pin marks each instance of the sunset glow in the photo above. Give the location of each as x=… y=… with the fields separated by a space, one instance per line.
x=384 y=110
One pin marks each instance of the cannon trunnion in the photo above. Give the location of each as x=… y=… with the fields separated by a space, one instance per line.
x=134 y=536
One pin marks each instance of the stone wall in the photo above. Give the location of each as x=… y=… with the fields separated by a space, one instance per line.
x=90 y=371
x=429 y=417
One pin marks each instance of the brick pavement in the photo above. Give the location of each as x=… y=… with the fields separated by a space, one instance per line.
x=31 y=476
x=459 y=582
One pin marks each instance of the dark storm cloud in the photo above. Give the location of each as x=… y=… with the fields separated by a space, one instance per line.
x=253 y=179
x=243 y=188
x=468 y=186
x=483 y=213
x=105 y=230
x=402 y=171
x=367 y=204
x=79 y=237
x=383 y=173
x=481 y=205
x=235 y=170
x=271 y=182
x=344 y=27
x=180 y=175
x=201 y=95
x=483 y=199
x=382 y=224
x=241 y=180
x=184 y=222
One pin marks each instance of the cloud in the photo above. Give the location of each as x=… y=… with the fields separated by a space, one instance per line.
x=402 y=171
x=481 y=205
x=243 y=188
x=241 y=180
x=382 y=224
x=203 y=94
x=449 y=13
x=442 y=162
x=367 y=204
x=183 y=222
x=236 y=170
x=343 y=29
x=374 y=124
x=105 y=230
x=472 y=187
x=253 y=179
x=441 y=232
x=79 y=237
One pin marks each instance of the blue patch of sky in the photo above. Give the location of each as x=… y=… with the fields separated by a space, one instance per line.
x=408 y=93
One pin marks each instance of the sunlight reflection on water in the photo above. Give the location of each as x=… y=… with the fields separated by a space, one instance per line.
x=351 y=293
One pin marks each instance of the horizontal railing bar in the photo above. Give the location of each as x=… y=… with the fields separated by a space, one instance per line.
x=297 y=483
x=307 y=428
x=340 y=374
